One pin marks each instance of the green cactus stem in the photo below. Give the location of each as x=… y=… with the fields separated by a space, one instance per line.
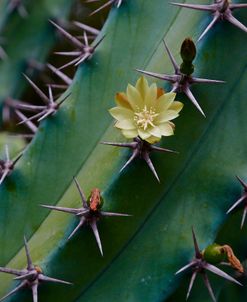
x=197 y=186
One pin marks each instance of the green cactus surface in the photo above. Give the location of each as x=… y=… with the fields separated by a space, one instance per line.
x=198 y=185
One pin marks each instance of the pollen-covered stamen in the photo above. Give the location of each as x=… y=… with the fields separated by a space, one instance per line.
x=145 y=117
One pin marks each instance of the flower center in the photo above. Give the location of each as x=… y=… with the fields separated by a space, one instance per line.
x=145 y=117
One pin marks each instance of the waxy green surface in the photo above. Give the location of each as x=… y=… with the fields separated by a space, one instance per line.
x=141 y=253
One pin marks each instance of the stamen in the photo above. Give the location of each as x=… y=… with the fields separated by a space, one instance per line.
x=145 y=117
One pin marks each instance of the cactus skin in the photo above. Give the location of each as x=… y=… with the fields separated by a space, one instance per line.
x=163 y=214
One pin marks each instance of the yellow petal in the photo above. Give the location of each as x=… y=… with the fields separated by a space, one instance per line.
x=166 y=129
x=165 y=101
x=122 y=101
x=172 y=125
x=125 y=124
x=120 y=113
x=142 y=86
x=166 y=116
x=177 y=106
x=155 y=131
x=130 y=133
x=151 y=96
x=134 y=97
x=143 y=134
x=153 y=139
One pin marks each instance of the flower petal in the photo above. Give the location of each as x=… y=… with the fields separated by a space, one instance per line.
x=166 y=116
x=152 y=139
x=143 y=134
x=120 y=113
x=155 y=131
x=142 y=86
x=151 y=96
x=130 y=133
x=177 y=106
x=172 y=125
x=134 y=97
x=125 y=124
x=165 y=101
x=166 y=129
x=122 y=101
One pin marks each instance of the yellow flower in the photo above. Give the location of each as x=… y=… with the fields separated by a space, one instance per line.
x=146 y=111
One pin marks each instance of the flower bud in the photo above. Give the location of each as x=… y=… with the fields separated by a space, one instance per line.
x=95 y=200
x=188 y=50
x=38 y=269
x=214 y=254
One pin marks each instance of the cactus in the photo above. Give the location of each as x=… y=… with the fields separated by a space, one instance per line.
x=197 y=186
